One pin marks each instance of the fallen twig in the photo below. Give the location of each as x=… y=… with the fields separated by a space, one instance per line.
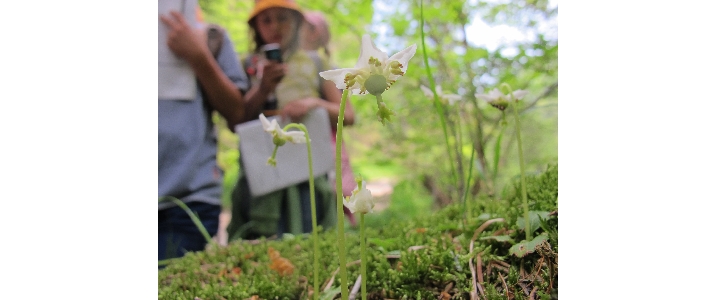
x=445 y=294
x=483 y=226
x=474 y=284
x=480 y=276
x=329 y=283
x=355 y=288
x=477 y=280
x=414 y=248
x=533 y=293
x=506 y=287
x=498 y=232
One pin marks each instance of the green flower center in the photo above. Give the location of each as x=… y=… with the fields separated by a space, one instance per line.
x=376 y=84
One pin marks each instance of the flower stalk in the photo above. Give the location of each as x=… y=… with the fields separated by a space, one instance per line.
x=362 y=236
x=361 y=202
x=340 y=199
x=514 y=104
x=315 y=234
x=279 y=137
x=374 y=73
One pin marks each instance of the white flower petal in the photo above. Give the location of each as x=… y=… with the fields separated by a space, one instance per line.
x=337 y=76
x=349 y=205
x=484 y=97
x=364 y=201
x=518 y=94
x=496 y=94
x=360 y=201
x=368 y=49
x=270 y=127
x=265 y=122
x=296 y=137
x=427 y=91
x=404 y=56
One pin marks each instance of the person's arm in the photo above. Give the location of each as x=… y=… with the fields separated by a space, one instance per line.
x=272 y=74
x=296 y=109
x=220 y=92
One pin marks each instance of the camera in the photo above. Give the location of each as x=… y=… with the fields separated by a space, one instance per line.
x=273 y=52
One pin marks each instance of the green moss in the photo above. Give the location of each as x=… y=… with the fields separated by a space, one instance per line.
x=416 y=258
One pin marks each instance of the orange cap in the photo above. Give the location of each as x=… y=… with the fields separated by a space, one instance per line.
x=260 y=5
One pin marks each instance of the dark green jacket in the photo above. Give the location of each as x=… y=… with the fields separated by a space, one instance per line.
x=255 y=217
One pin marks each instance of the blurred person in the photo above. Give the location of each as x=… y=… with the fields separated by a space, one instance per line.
x=294 y=91
x=187 y=145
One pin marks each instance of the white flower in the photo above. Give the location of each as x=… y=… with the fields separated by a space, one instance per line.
x=270 y=127
x=280 y=136
x=374 y=72
x=446 y=98
x=497 y=99
x=296 y=136
x=360 y=201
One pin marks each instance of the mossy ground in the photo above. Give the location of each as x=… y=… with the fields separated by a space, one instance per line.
x=440 y=255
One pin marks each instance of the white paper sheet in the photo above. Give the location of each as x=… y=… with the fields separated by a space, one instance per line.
x=176 y=80
x=256 y=147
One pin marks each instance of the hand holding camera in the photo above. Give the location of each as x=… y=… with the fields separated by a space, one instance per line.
x=273 y=52
x=273 y=73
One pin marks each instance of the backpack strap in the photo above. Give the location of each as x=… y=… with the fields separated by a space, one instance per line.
x=215 y=37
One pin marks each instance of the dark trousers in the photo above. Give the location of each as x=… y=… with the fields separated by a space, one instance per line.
x=306 y=201
x=179 y=235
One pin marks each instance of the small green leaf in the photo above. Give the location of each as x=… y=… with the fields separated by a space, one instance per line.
x=525 y=247
x=534 y=221
x=384 y=243
x=484 y=216
x=330 y=293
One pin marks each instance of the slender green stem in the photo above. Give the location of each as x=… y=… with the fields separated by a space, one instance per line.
x=340 y=198
x=362 y=241
x=437 y=103
x=192 y=215
x=468 y=182
x=315 y=236
x=514 y=105
x=458 y=145
x=467 y=209
x=497 y=150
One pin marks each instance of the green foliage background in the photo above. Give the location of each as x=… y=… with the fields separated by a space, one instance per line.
x=412 y=147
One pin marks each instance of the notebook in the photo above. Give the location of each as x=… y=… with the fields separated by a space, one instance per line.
x=292 y=167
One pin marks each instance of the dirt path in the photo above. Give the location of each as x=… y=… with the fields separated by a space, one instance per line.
x=381 y=190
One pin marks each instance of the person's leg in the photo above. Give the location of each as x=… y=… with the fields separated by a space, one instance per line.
x=306 y=203
x=306 y=200
x=178 y=234
x=241 y=208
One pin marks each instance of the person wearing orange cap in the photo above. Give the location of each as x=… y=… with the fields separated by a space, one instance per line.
x=187 y=146
x=296 y=88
